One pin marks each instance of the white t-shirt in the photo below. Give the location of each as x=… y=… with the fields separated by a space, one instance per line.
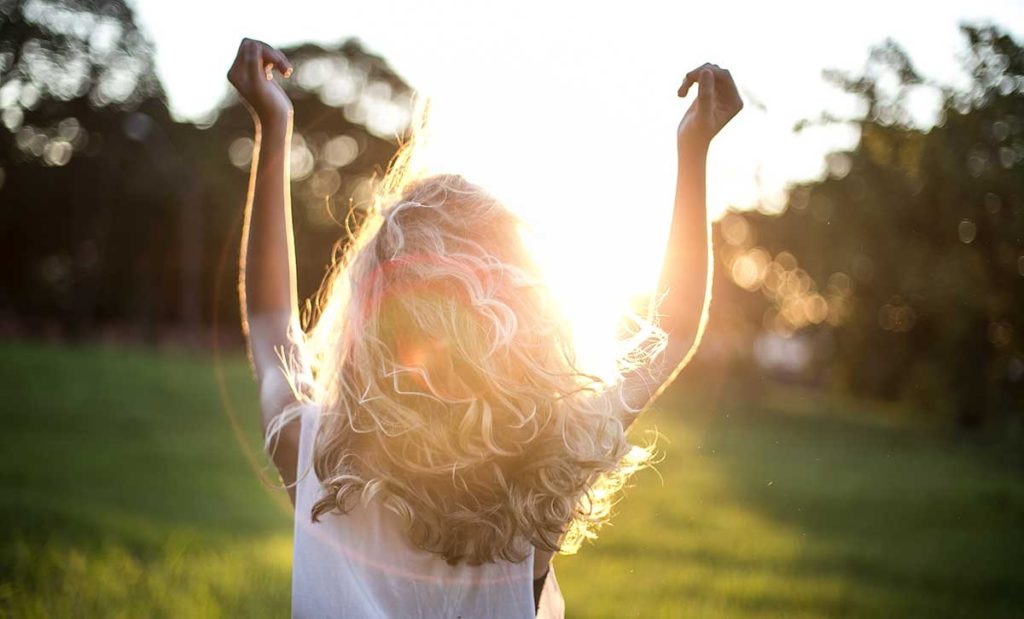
x=362 y=565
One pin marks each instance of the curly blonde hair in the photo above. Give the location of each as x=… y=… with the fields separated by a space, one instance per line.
x=448 y=384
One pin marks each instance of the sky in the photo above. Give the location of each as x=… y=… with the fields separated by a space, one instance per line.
x=567 y=110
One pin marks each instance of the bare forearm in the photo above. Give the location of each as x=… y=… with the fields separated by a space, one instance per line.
x=684 y=274
x=267 y=259
x=267 y=270
x=684 y=279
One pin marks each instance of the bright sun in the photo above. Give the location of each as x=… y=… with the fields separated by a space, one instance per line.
x=596 y=227
x=593 y=285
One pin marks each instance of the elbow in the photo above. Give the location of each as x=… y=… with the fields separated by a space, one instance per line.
x=276 y=401
x=681 y=347
x=684 y=325
x=684 y=336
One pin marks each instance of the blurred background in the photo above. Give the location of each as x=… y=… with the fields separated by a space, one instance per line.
x=848 y=442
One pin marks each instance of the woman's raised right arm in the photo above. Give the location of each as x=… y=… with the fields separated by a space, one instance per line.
x=266 y=289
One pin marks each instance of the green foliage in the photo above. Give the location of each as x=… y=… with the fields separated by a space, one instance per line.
x=126 y=493
x=85 y=195
x=116 y=214
x=350 y=108
x=925 y=231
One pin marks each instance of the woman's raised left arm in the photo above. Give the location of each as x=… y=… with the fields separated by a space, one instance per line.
x=686 y=271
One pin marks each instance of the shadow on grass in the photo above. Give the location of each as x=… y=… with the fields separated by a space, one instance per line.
x=797 y=505
x=929 y=524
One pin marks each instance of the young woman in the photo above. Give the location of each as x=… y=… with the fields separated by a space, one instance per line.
x=433 y=431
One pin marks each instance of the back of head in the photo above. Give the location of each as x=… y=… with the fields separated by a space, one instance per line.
x=449 y=388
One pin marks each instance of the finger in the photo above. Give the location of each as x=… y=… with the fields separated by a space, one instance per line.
x=276 y=59
x=685 y=88
x=696 y=72
x=727 y=85
x=266 y=64
x=706 y=91
x=691 y=79
x=283 y=64
x=254 y=63
x=239 y=63
x=723 y=78
x=269 y=58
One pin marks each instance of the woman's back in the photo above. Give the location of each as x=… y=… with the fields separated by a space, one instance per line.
x=448 y=377
x=361 y=565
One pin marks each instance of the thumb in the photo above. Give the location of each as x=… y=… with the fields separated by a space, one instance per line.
x=706 y=92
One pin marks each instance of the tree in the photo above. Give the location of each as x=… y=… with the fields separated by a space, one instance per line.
x=350 y=110
x=116 y=215
x=906 y=262
x=79 y=100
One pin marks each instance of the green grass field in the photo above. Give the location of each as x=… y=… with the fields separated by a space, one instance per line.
x=126 y=493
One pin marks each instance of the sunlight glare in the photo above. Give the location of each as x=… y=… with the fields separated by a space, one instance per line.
x=597 y=238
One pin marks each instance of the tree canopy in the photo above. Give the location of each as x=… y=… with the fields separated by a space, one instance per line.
x=903 y=268
x=116 y=215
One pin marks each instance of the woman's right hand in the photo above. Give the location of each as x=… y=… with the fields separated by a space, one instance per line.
x=252 y=76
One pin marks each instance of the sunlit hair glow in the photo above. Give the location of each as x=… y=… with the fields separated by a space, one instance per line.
x=447 y=382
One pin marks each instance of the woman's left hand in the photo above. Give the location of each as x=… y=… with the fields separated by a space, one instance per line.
x=717 y=103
